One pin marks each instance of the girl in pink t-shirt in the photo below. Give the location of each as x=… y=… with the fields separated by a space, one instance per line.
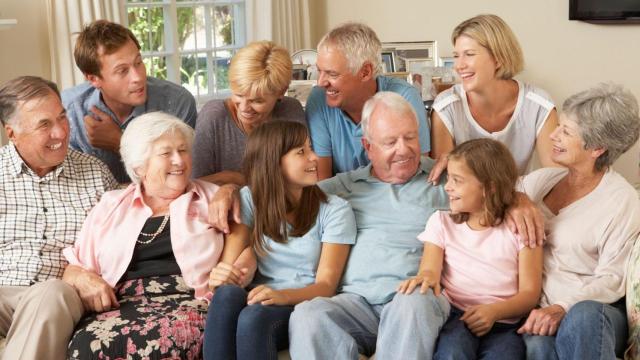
x=490 y=279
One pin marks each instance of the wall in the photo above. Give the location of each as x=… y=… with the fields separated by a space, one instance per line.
x=25 y=47
x=562 y=56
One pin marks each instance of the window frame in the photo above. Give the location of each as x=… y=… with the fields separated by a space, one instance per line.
x=173 y=53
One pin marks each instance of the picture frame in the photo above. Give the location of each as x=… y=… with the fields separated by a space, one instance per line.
x=388 y=63
x=447 y=61
x=409 y=54
x=418 y=65
x=300 y=90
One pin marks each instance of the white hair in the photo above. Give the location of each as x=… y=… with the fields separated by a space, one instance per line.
x=392 y=101
x=607 y=116
x=142 y=132
x=358 y=43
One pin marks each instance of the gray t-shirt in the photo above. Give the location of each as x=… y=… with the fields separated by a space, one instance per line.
x=219 y=143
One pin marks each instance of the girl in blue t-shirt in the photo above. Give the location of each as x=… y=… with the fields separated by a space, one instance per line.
x=300 y=236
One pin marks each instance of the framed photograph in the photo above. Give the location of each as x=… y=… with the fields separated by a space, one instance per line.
x=300 y=90
x=409 y=54
x=447 y=62
x=418 y=65
x=387 y=62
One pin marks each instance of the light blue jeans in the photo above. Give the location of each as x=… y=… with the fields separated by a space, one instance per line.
x=345 y=325
x=590 y=330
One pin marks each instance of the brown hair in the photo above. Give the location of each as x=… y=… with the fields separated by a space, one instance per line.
x=266 y=146
x=493 y=165
x=100 y=37
x=492 y=33
x=23 y=88
x=260 y=68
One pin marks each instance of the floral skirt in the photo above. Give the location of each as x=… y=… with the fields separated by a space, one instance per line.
x=158 y=318
x=633 y=303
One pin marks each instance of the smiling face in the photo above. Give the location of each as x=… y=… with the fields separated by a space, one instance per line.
x=122 y=80
x=394 y=145
x=343 y=89
x=41 y=136
x=474 y=63
x=299 y=167
x=253 y=111
x=568 y=146
x=464 y=189
x=168 y=168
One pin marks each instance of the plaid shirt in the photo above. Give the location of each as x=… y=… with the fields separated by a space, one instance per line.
x=41 y=216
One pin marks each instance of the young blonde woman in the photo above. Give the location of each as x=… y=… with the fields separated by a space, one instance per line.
x=259 y=76
x=489 y=102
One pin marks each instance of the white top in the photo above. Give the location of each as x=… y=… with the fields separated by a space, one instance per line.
x=531 y=112
x=589 y=241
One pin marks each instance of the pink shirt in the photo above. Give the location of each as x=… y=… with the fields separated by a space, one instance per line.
x=480 y=266
x=108 y=236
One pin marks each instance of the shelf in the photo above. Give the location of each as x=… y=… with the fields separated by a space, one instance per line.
x=7 y=23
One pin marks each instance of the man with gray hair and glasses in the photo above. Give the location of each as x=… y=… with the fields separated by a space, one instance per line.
x=349 y=74
x=46 y=191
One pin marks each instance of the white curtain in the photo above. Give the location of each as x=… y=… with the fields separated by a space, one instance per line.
x=291 y=24
x=65 y=18
x=286 y=22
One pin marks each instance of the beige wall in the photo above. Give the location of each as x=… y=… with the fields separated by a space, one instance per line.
x=24 y=47
x=562 y=56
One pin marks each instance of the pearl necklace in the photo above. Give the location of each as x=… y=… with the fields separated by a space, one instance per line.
x=155 y=234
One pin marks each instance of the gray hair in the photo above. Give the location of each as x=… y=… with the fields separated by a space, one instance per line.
x=22 y=89
x=358 y=43
x=138 y=137
x=392 y=101
x=607 y=116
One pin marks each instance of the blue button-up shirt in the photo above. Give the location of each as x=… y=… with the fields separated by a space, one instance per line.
x=162 y=95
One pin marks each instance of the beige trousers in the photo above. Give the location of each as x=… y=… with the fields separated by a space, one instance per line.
x=38 y=320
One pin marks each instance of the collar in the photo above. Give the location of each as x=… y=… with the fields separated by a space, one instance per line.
x=138 y=199
x=96 y=99
x=18 y=166
x=363 y=173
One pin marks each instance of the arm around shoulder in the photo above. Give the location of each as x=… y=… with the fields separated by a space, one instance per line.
x=441 y=139
x=543 y=140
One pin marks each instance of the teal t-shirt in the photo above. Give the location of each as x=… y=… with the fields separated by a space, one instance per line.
x=294 y=264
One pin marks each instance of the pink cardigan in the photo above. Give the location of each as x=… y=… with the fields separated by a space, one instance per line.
x=108 y=236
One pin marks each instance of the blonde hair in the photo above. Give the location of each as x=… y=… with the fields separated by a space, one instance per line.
x=358 y=43
x=261 y=67
x=492 y=33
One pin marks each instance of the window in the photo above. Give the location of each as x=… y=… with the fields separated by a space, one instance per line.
x=189 y=42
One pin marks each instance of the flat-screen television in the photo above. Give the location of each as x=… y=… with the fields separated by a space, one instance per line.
x=605 y=10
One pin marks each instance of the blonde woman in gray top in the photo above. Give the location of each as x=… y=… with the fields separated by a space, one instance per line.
x=259 y=76
x=489 y=102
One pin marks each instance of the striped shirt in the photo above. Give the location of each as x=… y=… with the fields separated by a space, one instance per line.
x=40 y=216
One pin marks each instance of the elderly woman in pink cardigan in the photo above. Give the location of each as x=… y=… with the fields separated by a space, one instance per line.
x=142 y=260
